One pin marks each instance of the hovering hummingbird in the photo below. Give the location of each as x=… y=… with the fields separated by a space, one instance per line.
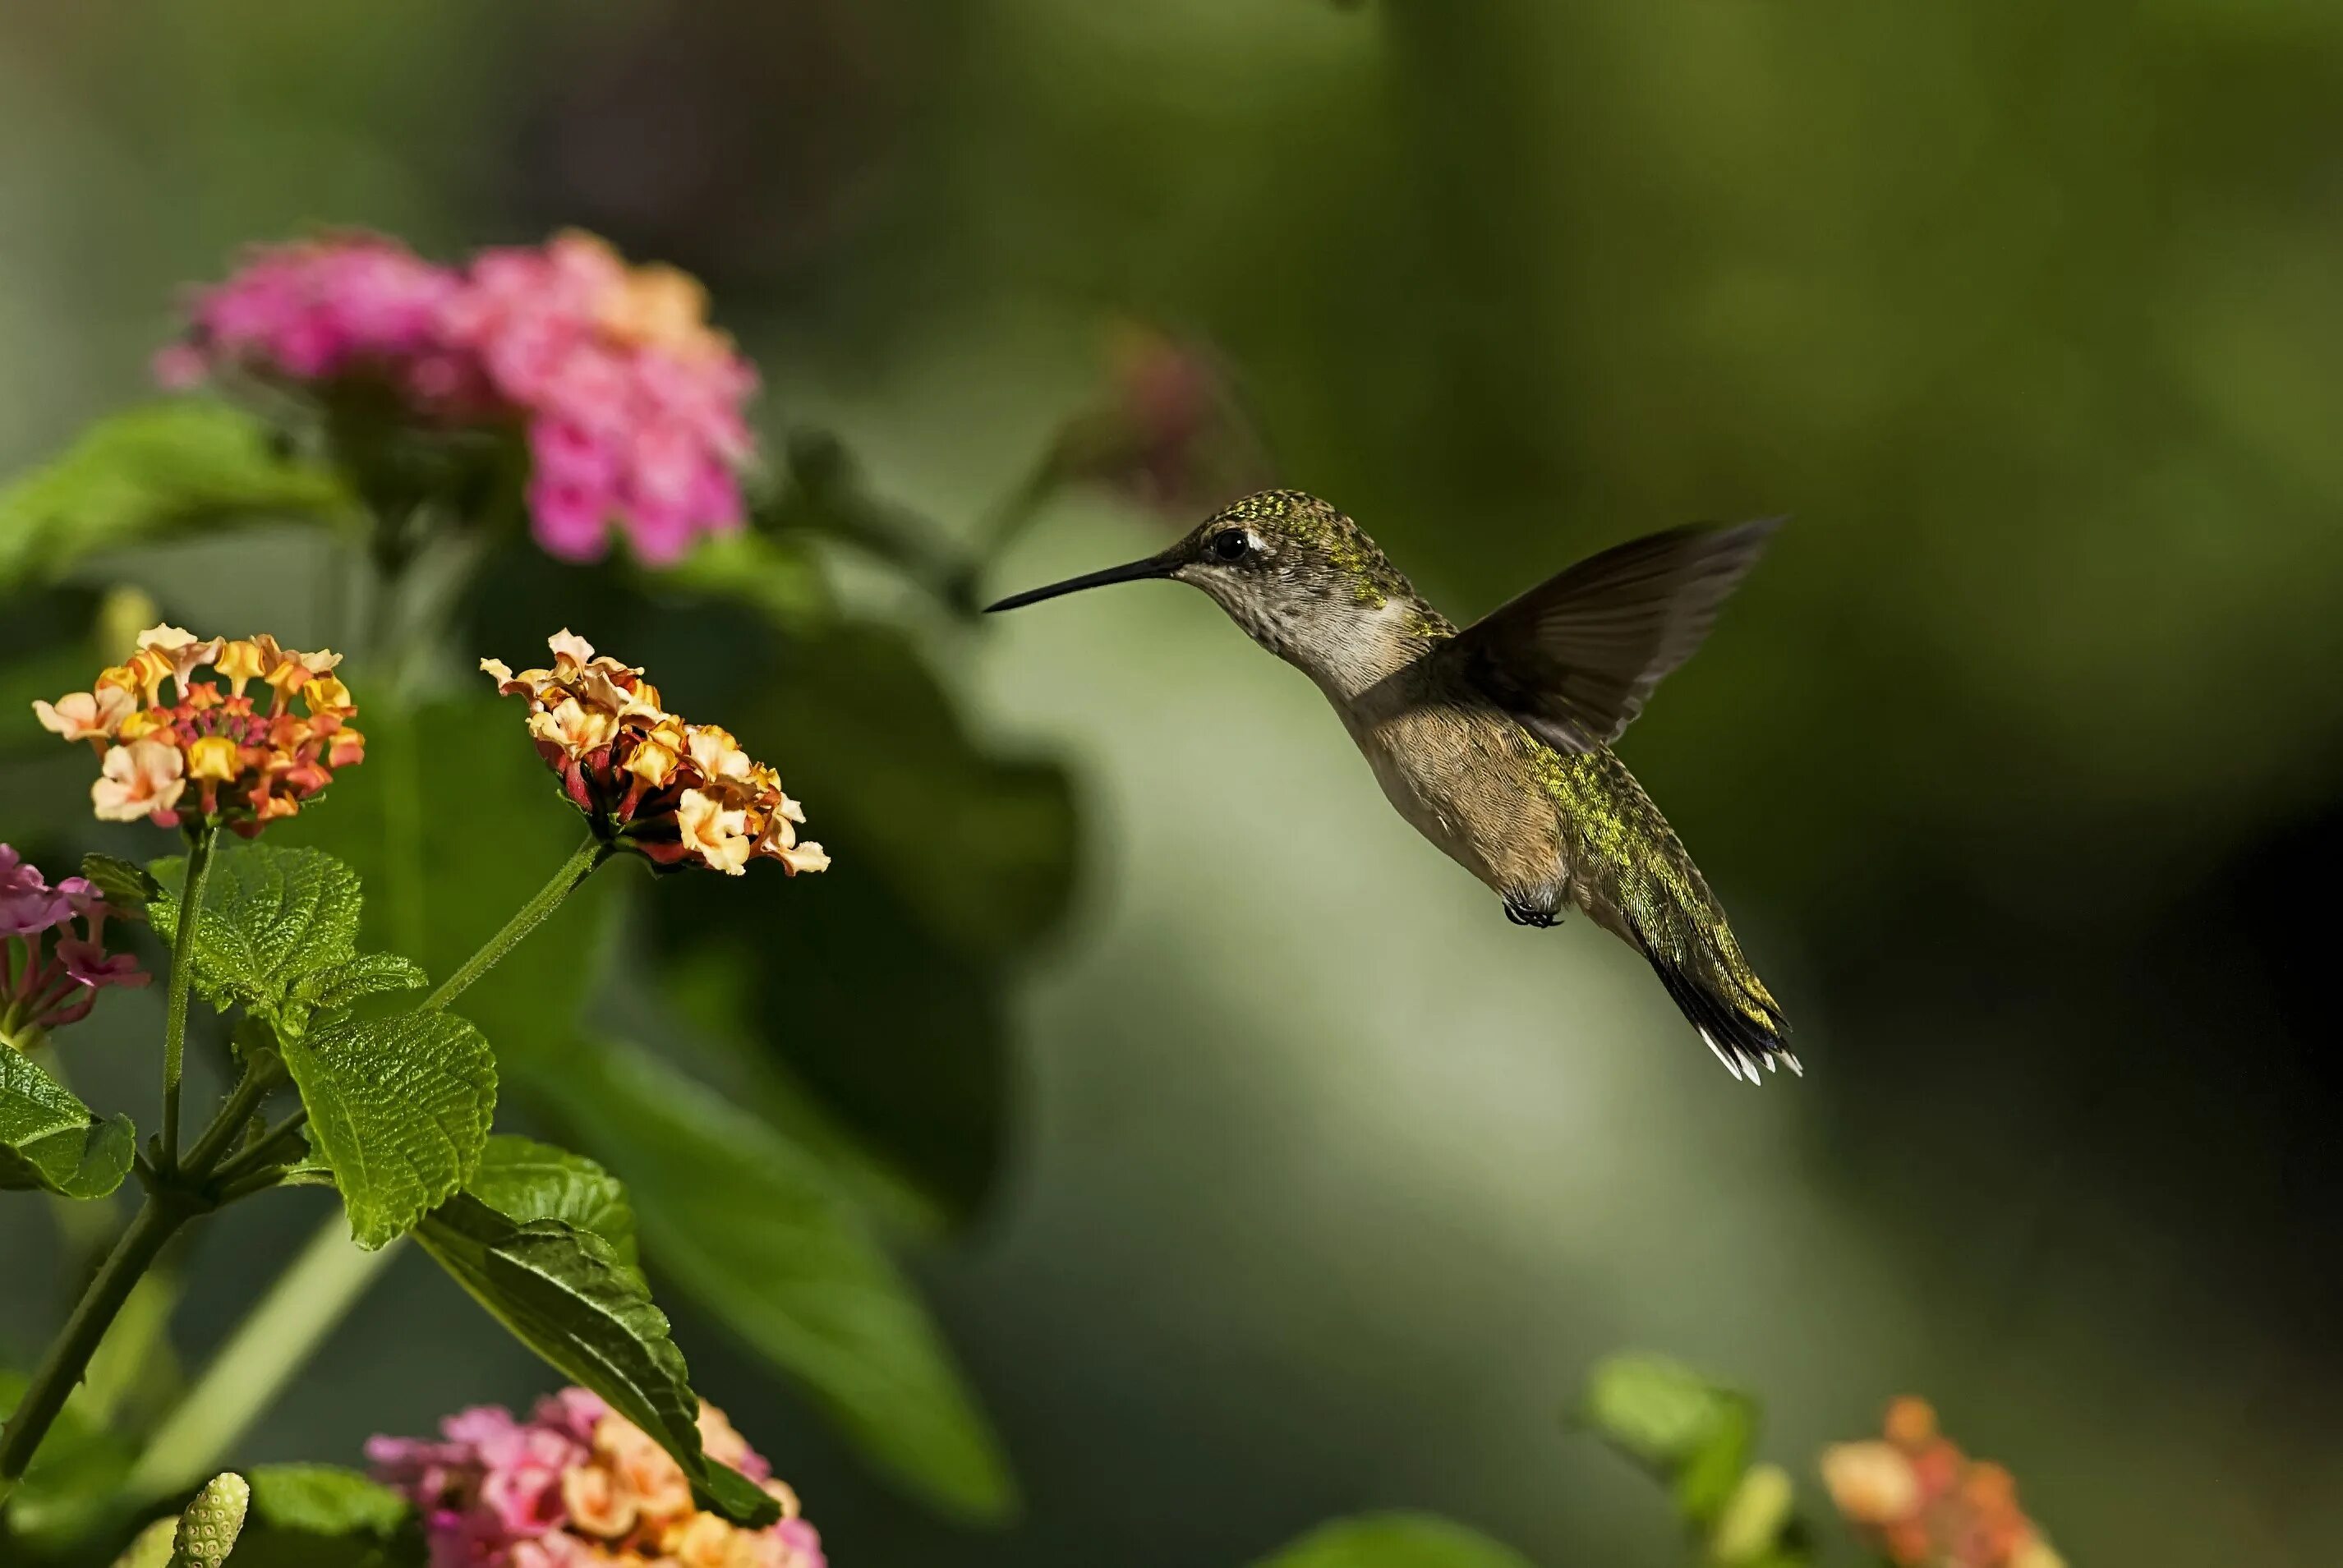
x=1494 y=742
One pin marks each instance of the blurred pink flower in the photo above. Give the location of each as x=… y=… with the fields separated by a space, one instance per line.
x=576 y=1485
x=1167 y=428
x=50 y=974
x=629 y=402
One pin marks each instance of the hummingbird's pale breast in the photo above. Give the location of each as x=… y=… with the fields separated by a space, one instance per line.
x=1465 y=777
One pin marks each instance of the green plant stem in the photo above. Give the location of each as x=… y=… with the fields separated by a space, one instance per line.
x=576 y=870
x=252 y=1368
x=183 y=964
x=258 y=1152
x=157 y=1220
x=250 y=1090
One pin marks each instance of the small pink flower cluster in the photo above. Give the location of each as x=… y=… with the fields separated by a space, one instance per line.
x=630 y=403
x=576 y=1484
x=42 y=990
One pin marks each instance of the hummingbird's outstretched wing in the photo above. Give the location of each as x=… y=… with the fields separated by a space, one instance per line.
x=1575 y=658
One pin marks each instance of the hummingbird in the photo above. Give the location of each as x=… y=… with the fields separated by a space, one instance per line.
x=1494 y=742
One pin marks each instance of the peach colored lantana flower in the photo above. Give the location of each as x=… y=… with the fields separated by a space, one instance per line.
x=648 y=781
x=1917 y=1498
x=217 y=749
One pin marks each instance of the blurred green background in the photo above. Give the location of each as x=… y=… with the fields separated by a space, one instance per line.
x=2019 y=762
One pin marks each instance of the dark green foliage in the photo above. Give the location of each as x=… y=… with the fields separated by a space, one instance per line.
x=50 y=1141
x=747 y=1222
x=566 y=1294
x=1394 y=1540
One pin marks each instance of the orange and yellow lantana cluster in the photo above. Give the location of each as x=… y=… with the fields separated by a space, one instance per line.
x=247 y=756
x=1924 y=1504
x=647 y=780
x=631 y=1502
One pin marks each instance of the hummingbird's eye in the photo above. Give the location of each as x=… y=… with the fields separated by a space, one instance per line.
x=1231 y=545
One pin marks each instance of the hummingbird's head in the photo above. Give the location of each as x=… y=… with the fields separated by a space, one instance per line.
x=1303 y=581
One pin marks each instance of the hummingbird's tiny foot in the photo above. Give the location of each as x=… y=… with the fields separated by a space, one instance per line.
x=1529 y=915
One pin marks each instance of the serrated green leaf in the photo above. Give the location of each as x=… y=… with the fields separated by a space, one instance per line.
x=567 y=1295
x=1395 y=1541
x=367 y=974
x=166 y=468
x=399 y=1110
x=325 y=1499
x=273 y=915
x=50 y=1143
x=752 y=1228
x=523 y=1180
x=122 y=883
x=433 y=894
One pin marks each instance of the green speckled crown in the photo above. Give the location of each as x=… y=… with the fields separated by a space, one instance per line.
x=1297 y=515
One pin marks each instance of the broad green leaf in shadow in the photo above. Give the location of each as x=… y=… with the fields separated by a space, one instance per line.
x=1394 y=1540
x=980 y=847
x=47 y=649
x=523 y=1180
x=754 y=1230
x=878 y=986
x=565 y=1294
x=70 y=1488
x=49 y=1142
x=882 y=985
x=399 y=1110
x=164 y=468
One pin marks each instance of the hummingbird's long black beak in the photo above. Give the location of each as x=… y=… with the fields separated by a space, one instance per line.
x=1161 y=566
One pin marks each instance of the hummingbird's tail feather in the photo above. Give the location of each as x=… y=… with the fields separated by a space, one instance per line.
x=1737 y=1020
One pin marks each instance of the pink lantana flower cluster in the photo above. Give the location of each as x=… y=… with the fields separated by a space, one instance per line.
x=51 y=973
x=576 y=1485
x=629 y=402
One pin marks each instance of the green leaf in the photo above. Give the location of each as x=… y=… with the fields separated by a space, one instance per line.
x=50 y=1143
x=1395 y=1541
x=781 y=580
x=1696 y=1432
x=1708 y=1477
x=321 y=1516
x=124 y=884
x=523 y=1180
x=751 y=1227
x=166 y=468
x=273 y=916
x=367 y=974
x=325 y=1499
x=399 y=1108
x=152 y=1549
x=1656 y=1410
x=440 y=883
x=567 y=1295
